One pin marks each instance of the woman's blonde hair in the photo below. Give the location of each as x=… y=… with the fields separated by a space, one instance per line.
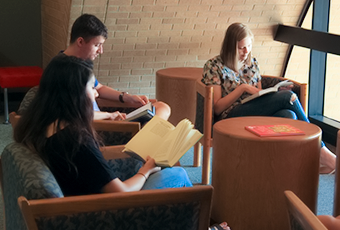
x=235 y=33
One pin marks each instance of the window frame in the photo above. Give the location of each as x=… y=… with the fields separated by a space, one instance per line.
x=320 y=45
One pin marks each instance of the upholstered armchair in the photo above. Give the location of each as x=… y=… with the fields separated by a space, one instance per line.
x=25 y=175
x=111 y=132
x=300 y=216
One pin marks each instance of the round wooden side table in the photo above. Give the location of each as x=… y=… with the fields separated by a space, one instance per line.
x=177 y=88
x=250 y=173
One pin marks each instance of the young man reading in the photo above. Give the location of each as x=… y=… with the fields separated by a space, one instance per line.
x=88 y=35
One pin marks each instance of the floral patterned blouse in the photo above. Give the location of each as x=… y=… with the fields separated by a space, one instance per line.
x=216 y=73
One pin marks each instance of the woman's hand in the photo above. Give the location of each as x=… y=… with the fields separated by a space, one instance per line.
x=134 y=183
x=249 y=88
x=138 y=100
x=288 y=87
x=149 y=167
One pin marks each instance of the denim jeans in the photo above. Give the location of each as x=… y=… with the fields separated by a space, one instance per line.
x=276 y=104
x=174 y=177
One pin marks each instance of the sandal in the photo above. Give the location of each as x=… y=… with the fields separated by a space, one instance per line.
x=221 y=226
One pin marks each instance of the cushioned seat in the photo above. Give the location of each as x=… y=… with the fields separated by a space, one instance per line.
x=16 y=77
x=25 y=175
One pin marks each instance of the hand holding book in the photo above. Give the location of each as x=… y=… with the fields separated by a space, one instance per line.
x=162 y=141
x=279 y=86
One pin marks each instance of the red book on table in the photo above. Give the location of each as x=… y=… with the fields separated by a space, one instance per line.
x=274 y=130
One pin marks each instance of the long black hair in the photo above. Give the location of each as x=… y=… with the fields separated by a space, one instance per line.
x=61 y=99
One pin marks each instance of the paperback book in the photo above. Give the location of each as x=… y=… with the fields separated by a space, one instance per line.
x=274 y=130
x=268 y=90
x=143 y=114
x=163 y=141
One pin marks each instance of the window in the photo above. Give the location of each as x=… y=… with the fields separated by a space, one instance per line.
x=321 y=59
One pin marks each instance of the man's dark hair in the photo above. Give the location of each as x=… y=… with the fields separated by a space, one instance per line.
x=87 y=26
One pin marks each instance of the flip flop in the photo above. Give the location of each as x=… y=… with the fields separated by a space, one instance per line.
x=221 y=226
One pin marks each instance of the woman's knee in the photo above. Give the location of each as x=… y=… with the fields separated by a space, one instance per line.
x=286 y=113
x=288 y=95
x=162 y=109
x=293 y=98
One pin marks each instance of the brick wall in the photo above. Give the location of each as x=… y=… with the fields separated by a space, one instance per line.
x=147 y=35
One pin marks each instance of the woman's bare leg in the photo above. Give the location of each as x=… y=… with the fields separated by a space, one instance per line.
x=327 y=161
x=163 y=110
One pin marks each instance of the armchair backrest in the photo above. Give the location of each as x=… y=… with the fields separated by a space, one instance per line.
x=24 y=174
x=204 y=122
x=180 y=208
x=300 y=216
x=29 y=96
x=111 y=132
x=204 y=106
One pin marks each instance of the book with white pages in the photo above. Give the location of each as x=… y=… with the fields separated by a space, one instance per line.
x=143 y=114
x=163 y=141
x=273 y=89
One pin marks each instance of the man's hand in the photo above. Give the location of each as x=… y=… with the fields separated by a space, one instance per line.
x=138 y=100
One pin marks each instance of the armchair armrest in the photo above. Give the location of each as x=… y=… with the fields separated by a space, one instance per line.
x=116 y=132
x=117 y=126
x=113 y=152
x=299 y=88
x=116 y=104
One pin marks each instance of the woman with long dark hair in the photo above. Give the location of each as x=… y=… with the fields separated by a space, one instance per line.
x=58 y=126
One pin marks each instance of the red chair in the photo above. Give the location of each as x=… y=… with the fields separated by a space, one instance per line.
x=15 y=77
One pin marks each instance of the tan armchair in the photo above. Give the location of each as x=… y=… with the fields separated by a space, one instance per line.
x=205 y=116
x=111 y=132
x=24 y=174
x=149 y=209
x=300 y=216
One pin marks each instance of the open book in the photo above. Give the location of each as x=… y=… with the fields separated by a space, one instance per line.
x=163 y=141
x=143 y=114
x=268 y=90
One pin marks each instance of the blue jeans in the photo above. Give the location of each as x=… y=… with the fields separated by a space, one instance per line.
x=174 y=177
x=273 y=104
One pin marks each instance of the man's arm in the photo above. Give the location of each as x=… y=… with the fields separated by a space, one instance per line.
x=108 y=93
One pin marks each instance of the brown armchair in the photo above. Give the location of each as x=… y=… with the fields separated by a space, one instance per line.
x=182 y=208
x=300 y=216
x=24 y=174
x=205 y=116
x=111 y=132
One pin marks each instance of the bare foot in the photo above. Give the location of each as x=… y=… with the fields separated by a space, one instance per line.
x=327 y=161
x=326 y=170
